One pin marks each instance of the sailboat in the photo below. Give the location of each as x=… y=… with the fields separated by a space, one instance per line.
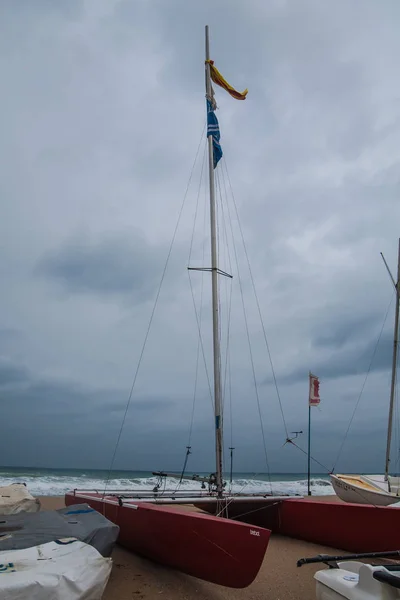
x=213 y=548
x=227 y=546
x=379 y=490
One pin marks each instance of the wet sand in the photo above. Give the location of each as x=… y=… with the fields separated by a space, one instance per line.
x=279 y=578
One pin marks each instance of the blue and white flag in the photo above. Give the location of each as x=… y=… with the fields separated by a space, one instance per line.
x=213 y=130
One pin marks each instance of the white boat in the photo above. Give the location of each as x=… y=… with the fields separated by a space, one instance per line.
x=367 y=489
x=356 y=580
x=383 y=489
x=15 y=498
x=66 y=569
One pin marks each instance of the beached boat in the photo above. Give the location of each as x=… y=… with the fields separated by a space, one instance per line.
x=148 y=522
x=349 y=578
x=380 y=490
x=16 y=498
x=65 y=569
x=340 y=525
x=367 y=489
x=214 y=548
x=81 y=521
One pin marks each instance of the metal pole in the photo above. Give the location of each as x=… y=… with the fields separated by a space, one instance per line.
x=214 y=284
x=394 y=365
x=231 y=474
x=309 y=451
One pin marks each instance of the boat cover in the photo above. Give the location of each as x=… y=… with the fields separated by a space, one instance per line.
x=78 y=521
x=15 y=498
x=66 y=569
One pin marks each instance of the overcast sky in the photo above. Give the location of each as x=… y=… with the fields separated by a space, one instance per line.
x=102 y=105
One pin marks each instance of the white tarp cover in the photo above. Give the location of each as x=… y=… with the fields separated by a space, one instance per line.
x=61 y=570
x=15 y=498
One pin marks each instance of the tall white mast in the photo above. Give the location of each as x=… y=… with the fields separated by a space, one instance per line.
x=394 y=364
x=214 y=283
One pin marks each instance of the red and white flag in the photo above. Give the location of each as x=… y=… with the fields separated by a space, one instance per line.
x=314 y=398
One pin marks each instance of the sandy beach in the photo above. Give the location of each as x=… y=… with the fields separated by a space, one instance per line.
x=279 y=578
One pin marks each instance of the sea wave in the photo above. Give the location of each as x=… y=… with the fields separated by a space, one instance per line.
x=58 y=485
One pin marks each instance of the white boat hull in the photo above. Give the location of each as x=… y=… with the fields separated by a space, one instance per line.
x=363 y=489
x=61 y=570
x=353 y=581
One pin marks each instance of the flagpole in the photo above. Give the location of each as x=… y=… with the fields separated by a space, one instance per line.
x=309 y=452
x=214 y=286
x=309 y=440
x=313 y=400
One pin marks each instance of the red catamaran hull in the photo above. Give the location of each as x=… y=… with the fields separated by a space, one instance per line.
x=354 y=528
x=218 y=550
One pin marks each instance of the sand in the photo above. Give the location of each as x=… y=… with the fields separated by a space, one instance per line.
x=279 y=578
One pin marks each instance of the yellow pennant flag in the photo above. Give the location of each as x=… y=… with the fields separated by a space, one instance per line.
x=219 y=80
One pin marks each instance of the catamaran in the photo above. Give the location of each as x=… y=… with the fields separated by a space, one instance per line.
x=227 y=547
x=214 y=548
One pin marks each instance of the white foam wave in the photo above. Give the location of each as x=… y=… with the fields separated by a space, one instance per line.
x=52 y=485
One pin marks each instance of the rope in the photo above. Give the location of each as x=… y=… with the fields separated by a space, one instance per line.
x=228 y=296
x=362 y=387
x=197 y=205
x=228 y=293
x=217 y=217
x=249 y=512
x=201 y=341
x=188 y=453
x=201 y=301
x=152 y=317
x=289 y=441
x=250 y=352
x=257 y=301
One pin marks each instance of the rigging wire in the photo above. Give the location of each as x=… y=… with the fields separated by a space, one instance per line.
x=223 y=241
x=362 y=387
x=228 y=297
x=200 y=317
x=152 y=314
x=218 y=244
x=250 y=351
x=201 y=340
x=290 y=441
x=189 y=447
x=257 y=301
x=227 y=369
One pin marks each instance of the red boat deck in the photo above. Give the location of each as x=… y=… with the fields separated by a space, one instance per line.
x=219 y=550
x=351 y=527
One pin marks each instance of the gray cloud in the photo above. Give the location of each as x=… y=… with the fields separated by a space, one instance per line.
x=351 y=350
x=12 y=374
x=340 y=331
x=112 y=265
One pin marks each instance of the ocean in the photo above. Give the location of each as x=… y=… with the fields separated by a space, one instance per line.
x=55 y=482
